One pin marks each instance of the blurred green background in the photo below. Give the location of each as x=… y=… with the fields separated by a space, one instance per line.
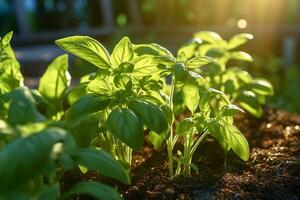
x=275 y=25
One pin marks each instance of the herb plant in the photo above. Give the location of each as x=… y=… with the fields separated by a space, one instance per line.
x=31 y=130
x=137 y=89
x=120 y=93
x=250 y=93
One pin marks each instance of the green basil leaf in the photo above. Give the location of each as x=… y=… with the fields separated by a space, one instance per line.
x=164 y=60
x=87 y=49
x=208 y=36
x=237 y=141
x=144 y=66
x=84 y=129
x=191 y=95
x=101 y=87
x=152 y=116
x=198 y=62
x=7 y=38
x=125 y=125
x=231 y=110
x=151 y=49
x=262 y=87
x=10 y=75
x=248 y=100
x=180 y=71
x=94 y=189
x=241 y=55
x=156 y=139
x=22 y=108
x=185 y=126
x=31 y=155
x=86 y=105
x=101 y=161
x=55 y=81
x=189 y=48
x=217 y=130
x=76 y=92
x=239 y=40
x=123 y=52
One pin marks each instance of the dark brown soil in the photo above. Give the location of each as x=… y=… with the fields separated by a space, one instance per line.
x=272 y=172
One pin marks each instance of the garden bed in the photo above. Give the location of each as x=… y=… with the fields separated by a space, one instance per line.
x=272 y=172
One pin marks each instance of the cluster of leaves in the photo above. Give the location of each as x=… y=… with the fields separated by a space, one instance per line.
x=137 y=89
x=37 y=146
x=241 y=88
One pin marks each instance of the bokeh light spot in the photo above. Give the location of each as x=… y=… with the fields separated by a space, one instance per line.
x=242 y=23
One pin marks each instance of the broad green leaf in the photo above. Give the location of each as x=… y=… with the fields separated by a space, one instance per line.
x=6 y=39
x=208 y=36
x=31 y=156
x=248 y=100
x=164 y=60
x=152 y=116
x=101 y=87
x=55 y=81
x=84 y=129
x=168 y=113
x=200 y=122
x=262 y=87
x=180 y=71
x=191 y=95
x=144 y=66
x=241 y=74
x=205 y=48
x=103 y=162
x=10 y=75
x=189 y=48
x=237 y=141
x=124 y=124
x=218 y=132
x=215 y=92
x=151 y=49
x=239 y=40
x=241 y=55
x=230 y=86
x=123 y=52
x=87 y=49
x=22 y=107
x=198 y=62
x=94 y=189
x=185 y=126
x=231 y=110
x=156 y=139
x=76 y=92
x=85 y=105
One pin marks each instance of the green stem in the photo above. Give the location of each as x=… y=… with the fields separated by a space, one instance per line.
x=225 y=161
x=187 y=155
x=170 y=142
x=200 y=139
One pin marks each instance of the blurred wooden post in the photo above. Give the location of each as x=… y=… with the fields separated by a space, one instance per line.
x=107 y=12
x=20 y=12
x=135 y=12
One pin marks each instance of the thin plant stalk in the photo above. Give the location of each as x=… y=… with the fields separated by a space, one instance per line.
x=170 y=140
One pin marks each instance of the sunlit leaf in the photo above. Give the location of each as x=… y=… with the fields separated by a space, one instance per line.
x=87 y=49
x=103 y=162
x=123 y=52
x=239 y=40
